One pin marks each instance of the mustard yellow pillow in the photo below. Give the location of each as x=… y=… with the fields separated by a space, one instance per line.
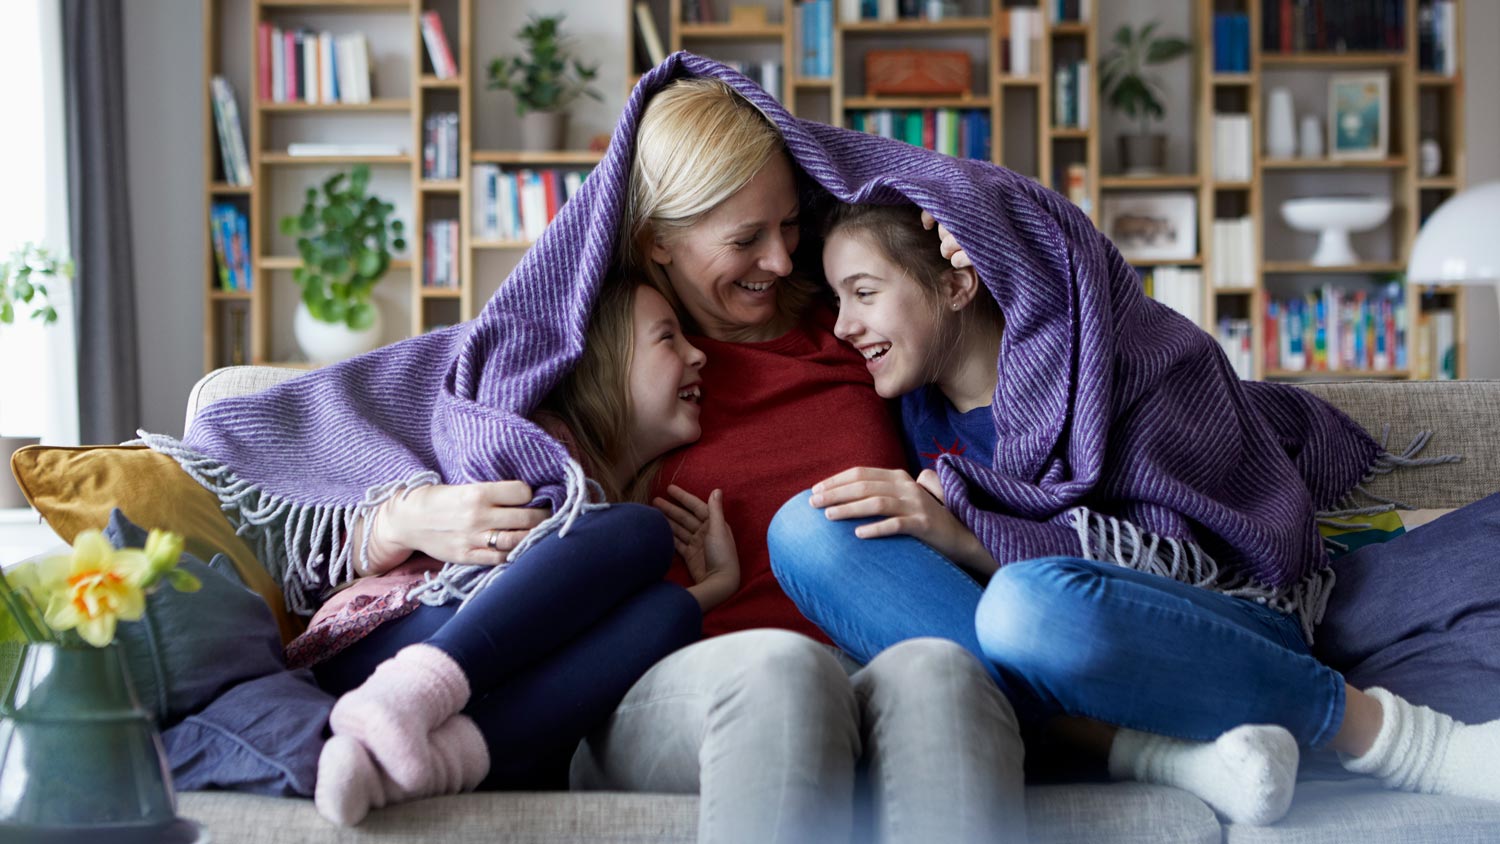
x=75 y=488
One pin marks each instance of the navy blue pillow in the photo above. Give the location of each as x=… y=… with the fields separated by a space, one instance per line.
x=209 y=665
x=1420 y=614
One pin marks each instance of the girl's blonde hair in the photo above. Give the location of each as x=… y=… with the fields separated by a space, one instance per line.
x=593 y=400
x=699 y=143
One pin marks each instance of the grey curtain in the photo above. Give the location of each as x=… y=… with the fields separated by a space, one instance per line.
x=99 y=211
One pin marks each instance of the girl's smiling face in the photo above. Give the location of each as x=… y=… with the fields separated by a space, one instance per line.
x=663 y=384
x=883 y=313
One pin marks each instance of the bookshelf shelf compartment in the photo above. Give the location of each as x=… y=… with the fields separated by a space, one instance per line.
x=580 y=157
x=724 y=31
x=875 y=103
x=975 y=25
x=318 y=108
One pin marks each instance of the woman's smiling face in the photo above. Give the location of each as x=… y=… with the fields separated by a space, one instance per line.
x=725 y=268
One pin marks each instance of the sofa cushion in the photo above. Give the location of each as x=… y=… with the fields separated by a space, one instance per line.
x=1420 y=615
x=1364 y=810
x=75 y=488
x=1123 y=812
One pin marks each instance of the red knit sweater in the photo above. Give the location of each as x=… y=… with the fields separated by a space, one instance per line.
x=777 y=417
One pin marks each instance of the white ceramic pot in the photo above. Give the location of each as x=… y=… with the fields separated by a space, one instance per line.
x=1333 y=218
x=325 y=342
x=1312 y=136
x=1281 y=125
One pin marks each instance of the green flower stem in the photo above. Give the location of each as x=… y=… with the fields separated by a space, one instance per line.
x=20 y=613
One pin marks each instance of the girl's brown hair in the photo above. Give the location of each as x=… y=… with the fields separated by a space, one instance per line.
x=593 y=400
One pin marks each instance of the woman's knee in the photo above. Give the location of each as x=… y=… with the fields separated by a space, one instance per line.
x=806 y=547
x=784 y=672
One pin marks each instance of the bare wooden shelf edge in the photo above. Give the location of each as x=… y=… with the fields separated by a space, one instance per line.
x=1398 y=374
x=1392 y=163
x=1196 y=260
x=280 y=158
x=1362 y=59
x=226 y=189
x=316 y=108
x=565 y=156
x=500 y=244
x=1177 y=180
x=918 y=26
x=292 y=262
x=1297 y=267
x=385 y=5
x=721 y=31
x=916 y=102
x=430 y=81
x=441 y=293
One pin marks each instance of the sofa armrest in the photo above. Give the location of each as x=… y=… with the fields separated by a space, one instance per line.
x=233 y=381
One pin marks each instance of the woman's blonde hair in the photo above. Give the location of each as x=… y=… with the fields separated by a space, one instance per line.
x=593 y=400
x=699 y=143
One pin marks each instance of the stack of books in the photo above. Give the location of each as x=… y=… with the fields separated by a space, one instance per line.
x=961 y=133
x=1437 y=37
x=1233 y=263
x=814 y=31
x=1021 y=41
x=1435 y=346
x=302 y=66
x=439 y=54
x=440 y=146
x=229 y=230
x=518 y=205
x=232 y=156
x=440 y=259
x=1233 y=149
x=1070 y=95
x=1334 y=330
x=1232 y=43
x=1179 y=288
x=852 y=11
x=1295 y=26
x=1235 y=338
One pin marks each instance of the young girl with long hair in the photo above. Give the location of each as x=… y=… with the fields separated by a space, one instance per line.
x=500 y=689
x=1176 y=680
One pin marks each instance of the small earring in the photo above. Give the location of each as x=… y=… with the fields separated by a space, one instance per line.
x=955 y=306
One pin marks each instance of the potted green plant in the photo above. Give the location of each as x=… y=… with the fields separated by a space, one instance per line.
x=28 y=281
x=1130 y=89
x=544 y=81
x=344 y=238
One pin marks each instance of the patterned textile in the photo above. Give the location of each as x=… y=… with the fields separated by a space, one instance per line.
x=1122 y=429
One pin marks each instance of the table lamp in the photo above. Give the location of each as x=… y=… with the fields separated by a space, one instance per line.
x=1460 y=242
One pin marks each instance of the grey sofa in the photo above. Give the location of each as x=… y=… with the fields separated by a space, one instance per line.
x=1465 y=419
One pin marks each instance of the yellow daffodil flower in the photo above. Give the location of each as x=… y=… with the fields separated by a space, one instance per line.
x=94 y=587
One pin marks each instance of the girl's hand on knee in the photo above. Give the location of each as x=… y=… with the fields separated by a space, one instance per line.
x=703 y=539
x=909 y=508
x=476 y=523
x=949 y=246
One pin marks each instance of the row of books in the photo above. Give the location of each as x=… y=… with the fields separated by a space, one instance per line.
x=1071 y=11
x=440 y=145
x=1234 y=148
x=962 y=133
x=1294 y=26
x=1070 y=95
x=232 y=155
x=1022 y=42
x=518 y=204
x=852 y=11
x=439 y=53
x=1437 y=36
x=1335 y=329
x=1435 y=346
x=302 y=66
x=766 y=74
x=1232 y=43
x=1235 y=338
x=1233 y=263
x=229 y=230
x=440 y=255
x=1179 y=288
x=814 y=22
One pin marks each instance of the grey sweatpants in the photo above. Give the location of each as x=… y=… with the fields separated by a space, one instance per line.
x=767 y=727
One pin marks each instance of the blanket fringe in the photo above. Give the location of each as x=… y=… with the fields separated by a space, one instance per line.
x=1108 y=539
x=305 y=547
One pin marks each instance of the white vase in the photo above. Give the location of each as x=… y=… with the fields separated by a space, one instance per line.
x=1312 y=137
x=1281 y=125
x=326 y=342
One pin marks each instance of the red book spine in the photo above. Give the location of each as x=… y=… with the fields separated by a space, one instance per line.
x=444 y=51
x=553 y=187
x=263 y=78
x=1272 y=342
x=289 y=66
x=929 y=128
x=1286 y=26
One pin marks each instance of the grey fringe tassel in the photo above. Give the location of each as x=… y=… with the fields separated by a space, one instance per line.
x=304 y=547
x=1385 y=463
x=1119 y=542
x=463 y=582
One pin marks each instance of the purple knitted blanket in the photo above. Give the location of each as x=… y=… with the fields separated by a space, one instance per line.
x=1123 y=433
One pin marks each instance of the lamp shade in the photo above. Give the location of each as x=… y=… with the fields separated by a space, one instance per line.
x=1460 y=242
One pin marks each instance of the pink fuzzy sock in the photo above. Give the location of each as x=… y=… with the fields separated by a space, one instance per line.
x=393 y=712
x=350 y=783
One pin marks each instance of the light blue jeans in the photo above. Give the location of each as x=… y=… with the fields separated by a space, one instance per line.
x=1065 y=636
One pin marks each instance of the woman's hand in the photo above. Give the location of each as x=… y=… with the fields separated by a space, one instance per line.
x=949 y=247
x=475 y=523
x=706 y=544
x=911 y=506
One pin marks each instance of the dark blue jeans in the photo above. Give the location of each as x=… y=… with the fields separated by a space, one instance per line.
x=1064 y=636
x=551 y=646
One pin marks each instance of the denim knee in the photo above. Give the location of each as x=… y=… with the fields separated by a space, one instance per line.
x=806 y=547
x=1023 y=606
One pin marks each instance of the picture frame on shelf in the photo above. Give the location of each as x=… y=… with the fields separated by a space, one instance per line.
x=1152 y=226
x=1359 y=115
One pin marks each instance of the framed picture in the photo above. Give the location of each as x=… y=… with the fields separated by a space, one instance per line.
x=1358 y=115
x=1152 y=226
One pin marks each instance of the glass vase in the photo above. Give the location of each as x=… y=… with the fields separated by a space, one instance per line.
x=80 y=758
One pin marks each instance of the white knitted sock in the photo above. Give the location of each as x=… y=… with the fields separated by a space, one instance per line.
x=1247 y=775
x=1422 y=750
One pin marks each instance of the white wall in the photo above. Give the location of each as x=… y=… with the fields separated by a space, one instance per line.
x=164 y=77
